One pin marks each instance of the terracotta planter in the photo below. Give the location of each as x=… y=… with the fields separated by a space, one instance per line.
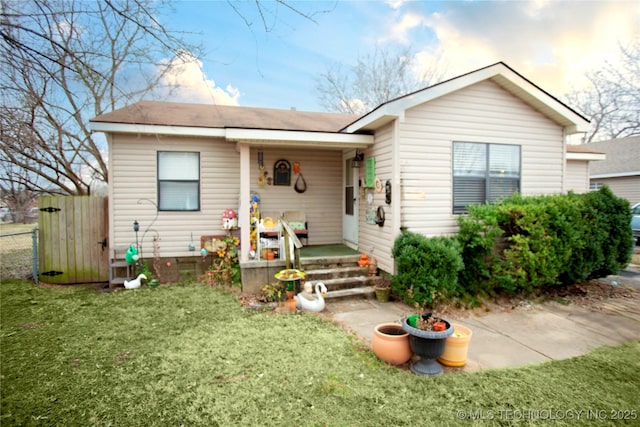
x=456 y=347
x=429 y=345
x=391 y=343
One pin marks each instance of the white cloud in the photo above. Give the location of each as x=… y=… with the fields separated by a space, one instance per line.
x=400 y=31
x=185 y=81
x=553 y=43
x=395 y=4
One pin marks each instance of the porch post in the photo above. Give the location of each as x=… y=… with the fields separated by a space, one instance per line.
x=245 y=195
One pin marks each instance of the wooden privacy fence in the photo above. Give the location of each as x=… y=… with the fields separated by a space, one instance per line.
x=73 y=246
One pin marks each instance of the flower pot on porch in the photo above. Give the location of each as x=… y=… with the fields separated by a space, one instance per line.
x=456 y=347
x=429 y=345
x=391 y=343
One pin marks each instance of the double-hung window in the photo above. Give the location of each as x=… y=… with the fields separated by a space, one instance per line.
x=484 y=173
x=178 y=181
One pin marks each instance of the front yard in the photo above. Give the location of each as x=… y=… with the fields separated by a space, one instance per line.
x=186 y=354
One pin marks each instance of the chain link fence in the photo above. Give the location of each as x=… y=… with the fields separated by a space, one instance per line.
x=18 y=251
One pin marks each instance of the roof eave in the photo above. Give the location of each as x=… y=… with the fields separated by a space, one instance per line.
x=586 y=156
x=615 y=175
x=249 y=136
x=502 y=75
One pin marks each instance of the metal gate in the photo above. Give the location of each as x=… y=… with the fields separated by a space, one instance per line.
x=73 y=245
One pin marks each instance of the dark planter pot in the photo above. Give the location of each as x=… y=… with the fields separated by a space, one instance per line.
x=429 y=345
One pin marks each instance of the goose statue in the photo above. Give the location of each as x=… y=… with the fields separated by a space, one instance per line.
x=312 y=303
x=135 y=283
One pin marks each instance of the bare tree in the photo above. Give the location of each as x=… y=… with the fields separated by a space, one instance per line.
x=612 y=102
x=374 y=79
x=64 y=62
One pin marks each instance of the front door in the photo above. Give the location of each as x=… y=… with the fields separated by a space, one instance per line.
x=350 y=203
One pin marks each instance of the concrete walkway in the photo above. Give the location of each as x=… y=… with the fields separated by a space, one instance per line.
x=527 y=334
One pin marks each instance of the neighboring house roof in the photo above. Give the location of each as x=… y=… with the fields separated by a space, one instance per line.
x=580 y=152
x=623 y=158
x=499 y=73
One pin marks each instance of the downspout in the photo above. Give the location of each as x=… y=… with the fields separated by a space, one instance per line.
x=245 y=195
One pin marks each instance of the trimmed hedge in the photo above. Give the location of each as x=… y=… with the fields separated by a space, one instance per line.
x=526 y=243
x=427 y=267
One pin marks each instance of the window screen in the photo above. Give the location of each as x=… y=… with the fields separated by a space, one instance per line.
x=484 y=173
x=178 y=181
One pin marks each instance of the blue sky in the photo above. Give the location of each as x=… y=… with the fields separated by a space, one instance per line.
x=553 y=43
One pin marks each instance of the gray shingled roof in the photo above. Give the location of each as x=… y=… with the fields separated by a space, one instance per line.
x=225 y=116
x=623 y=157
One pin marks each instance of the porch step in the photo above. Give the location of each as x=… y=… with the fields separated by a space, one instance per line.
x=318 y=263
x=341 y=275
x=336 y=272
x=362 y=292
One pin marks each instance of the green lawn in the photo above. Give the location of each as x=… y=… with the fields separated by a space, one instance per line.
x=191 y=355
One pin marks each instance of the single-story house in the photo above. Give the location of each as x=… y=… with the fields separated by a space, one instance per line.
x=175 y=168
x=621 y=169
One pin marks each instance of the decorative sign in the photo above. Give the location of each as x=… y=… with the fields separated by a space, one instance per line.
x=371 y=216
x=282 y=173
x=370 y=172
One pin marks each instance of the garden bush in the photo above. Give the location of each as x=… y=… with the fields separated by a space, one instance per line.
x=526 y=243
x=427 y=267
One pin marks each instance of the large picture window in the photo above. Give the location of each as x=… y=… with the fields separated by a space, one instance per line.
x=178 y=181
x=484 y=173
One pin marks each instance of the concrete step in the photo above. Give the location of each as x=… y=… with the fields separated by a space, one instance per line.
x=341 y=275
x=360 y=292
x=336 y=272
x=341 y=283
x=316 y=263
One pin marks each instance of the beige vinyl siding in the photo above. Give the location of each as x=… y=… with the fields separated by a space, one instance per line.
x=321 y=202
x=373 y=239
x=133 y=178
x=482 y=113
x=577 y=176
x=626 y=187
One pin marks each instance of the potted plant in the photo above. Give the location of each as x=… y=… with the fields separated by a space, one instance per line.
x=427 y=338
x=383 y=290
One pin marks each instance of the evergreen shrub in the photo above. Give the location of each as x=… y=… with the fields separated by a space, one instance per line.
x=526 y=243
x=427 y=267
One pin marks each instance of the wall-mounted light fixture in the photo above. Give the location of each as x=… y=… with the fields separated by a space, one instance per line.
x=357 y=159
x=136 y=228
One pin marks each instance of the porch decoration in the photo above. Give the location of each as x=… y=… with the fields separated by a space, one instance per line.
x=380 y=216
x=131 y=257
x=391 y=343
x=254 y=221
x=282 y=172
x=370 y=172
x=229 y=219
x=364 y=260
x=387 y=192
x=427 y=342
x=315 y=304
x=370 y=216
x=301 y=184
x=135 y=283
